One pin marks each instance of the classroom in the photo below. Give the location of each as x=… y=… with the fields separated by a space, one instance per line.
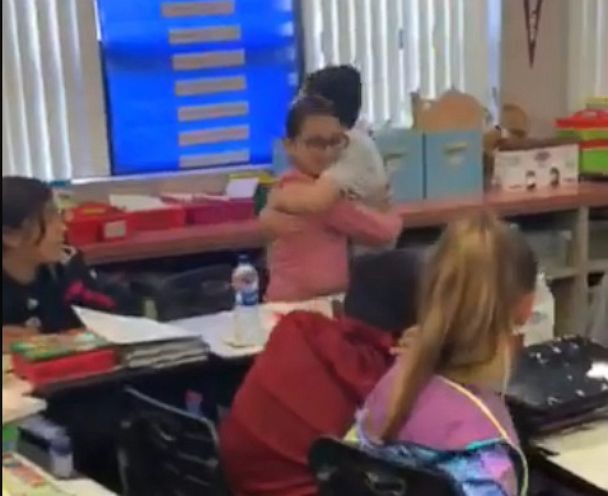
x=304 y=247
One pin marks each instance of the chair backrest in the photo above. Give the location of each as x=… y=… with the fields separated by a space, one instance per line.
x=342 y=469
x=165 y=451
x=195 y=292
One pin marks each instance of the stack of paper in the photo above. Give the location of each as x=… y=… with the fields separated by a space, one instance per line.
x=16 y=404
x=145 y=342
x=166 y=354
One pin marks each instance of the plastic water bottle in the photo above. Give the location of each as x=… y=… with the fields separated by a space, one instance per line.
x=60 y=454
x=246 y=284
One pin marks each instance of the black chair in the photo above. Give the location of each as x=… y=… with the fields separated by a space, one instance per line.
x=164 y=451
x=187 y=294
x=342 y=469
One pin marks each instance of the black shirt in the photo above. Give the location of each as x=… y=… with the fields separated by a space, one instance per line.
x=46 y=303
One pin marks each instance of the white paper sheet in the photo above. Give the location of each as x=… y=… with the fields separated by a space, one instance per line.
x=129 y=330
x=15 y=408
x=242 y=188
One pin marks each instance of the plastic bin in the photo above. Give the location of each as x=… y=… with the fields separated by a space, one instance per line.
x=161 y=219
x=93 y=223
x=219 y=211
x=591 y=128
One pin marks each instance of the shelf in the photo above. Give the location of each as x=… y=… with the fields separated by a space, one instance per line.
x=560 y=273
x=425 y=213
x=598 y=266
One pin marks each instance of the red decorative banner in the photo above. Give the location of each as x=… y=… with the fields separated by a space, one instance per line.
x=532 y=11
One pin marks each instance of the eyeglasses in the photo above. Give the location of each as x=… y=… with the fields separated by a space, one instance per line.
x=338 y=142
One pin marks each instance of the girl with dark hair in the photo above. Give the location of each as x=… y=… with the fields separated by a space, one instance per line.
x=313 y=260
x=479 y=287
x=41 y=277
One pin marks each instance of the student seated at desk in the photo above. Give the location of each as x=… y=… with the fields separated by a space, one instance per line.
x=440 y=405
x=312 y=375
x=41 y=277
x=358 y=173
x=312 y=260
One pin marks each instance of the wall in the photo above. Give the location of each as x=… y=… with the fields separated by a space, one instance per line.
x=542 y=90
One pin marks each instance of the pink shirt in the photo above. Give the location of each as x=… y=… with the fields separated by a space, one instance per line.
x=314 y=261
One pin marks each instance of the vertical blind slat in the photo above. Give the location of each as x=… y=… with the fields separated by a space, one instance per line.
x=346 y=45
x=53 y=116
x=379 y=48
x=311 y=31
x=364 y=54
x=394 y=80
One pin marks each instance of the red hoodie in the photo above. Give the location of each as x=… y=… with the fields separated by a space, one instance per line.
x=308 y=382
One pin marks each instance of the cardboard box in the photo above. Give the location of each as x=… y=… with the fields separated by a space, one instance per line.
x=401 y=150
x=453 y=162
x=536 y=164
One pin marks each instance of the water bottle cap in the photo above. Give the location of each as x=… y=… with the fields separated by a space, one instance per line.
x=243 y=259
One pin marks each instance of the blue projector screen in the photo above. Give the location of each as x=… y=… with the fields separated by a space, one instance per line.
x=194 y=84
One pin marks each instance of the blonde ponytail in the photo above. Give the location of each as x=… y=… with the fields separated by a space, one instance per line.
x=478 y=269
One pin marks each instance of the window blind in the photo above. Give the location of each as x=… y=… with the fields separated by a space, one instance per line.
x=588 y=57
x=402 y=46
x=54 y=111
x=53 y=121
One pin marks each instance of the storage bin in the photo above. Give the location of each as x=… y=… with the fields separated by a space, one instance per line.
x=401 y=150
x=591 y=128
x=160 y=219
x=453 y=164
x=210 y=212
x=93 y=223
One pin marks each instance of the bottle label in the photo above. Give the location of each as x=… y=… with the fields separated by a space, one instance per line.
x=247 y=297
x=246 y=287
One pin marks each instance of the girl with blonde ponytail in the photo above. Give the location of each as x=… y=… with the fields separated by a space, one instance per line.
x=440 y=404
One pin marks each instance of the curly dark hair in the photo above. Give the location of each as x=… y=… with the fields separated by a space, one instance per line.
x=342 y=86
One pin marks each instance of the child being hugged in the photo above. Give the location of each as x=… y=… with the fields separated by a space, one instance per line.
x=312 y=260
x=440 y=405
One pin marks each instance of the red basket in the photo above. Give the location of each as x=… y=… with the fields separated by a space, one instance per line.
x=171 y=217
x=219 y=211
x=92 y=223
x=67 y=368
x=240 y=210
x=585 y=119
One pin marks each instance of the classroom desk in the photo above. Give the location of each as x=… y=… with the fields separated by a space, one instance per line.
x=77 y=486
x=426 y=213
x=92 y=409
x=576 y=457
x=218 y=329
